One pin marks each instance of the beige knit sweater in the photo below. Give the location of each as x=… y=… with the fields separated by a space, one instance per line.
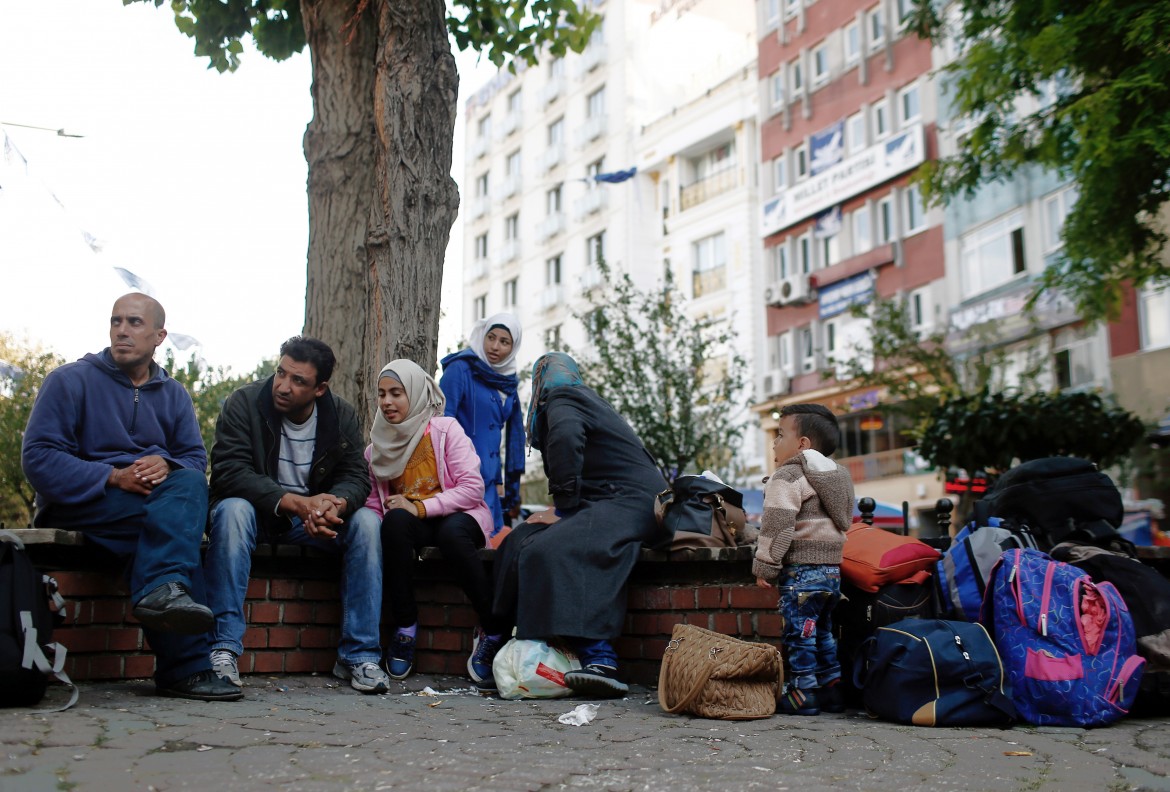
x=808 y=507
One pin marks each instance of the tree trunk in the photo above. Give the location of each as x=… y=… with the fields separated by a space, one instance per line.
x=339 y=147
x=415 y=96
x=381 y=197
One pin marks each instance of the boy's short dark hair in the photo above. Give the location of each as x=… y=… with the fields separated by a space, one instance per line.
x=817 y=423
x=303 y=349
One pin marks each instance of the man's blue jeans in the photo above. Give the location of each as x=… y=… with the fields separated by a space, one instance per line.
x=228 y=565
x=160 y=534
x=808 y=594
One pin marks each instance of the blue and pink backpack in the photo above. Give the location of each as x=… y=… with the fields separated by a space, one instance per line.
x=1067 y=643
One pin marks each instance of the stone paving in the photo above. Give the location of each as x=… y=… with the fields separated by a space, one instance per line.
x=314 y=733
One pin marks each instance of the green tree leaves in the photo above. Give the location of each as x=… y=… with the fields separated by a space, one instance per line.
x=1081 y=88
x=22 y=370
x=678 y=380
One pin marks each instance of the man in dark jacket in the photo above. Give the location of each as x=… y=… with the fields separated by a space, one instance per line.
x=287 y=466
x=113 y=449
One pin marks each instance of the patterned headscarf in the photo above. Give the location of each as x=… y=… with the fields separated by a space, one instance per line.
x=509 y=322
x=394 y=443
x=551 y=370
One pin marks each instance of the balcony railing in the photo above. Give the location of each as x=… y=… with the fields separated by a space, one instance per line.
x=594 y=200
x=709 y=281
x=591 y=58
x=509 y=124
x=550 y=226
x=508 y=187
x=552 y=89
x=709 y=187
x=591 y=130
x=509 y=251
x=551 y=297
x=880 y=465
x=480 y=146
x=553 y=156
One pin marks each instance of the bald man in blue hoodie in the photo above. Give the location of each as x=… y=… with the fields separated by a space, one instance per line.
x=113 y=450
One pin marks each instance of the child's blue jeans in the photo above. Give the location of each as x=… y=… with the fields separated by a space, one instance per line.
x=808 y=594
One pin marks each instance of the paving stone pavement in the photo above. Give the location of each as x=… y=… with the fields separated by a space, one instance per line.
x=314 y=733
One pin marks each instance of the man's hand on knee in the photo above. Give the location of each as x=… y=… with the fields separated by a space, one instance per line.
x=125 y=479
x=317 y=512
x=152 y=470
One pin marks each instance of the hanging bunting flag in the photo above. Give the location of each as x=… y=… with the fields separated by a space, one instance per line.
x=617 y=177
x=183 y=342
x=135 y=282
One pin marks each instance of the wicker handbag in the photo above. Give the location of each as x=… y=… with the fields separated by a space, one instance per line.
x=713 y=676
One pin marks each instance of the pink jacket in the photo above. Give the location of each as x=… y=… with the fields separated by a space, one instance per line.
x=459 y=477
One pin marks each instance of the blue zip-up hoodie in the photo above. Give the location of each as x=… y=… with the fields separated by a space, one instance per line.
x=90 y=418
x=473 y=390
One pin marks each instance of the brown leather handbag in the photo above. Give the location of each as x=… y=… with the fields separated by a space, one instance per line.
x=710 y=675
x=700 y=512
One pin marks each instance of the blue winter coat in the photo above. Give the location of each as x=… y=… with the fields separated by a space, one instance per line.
x=473 y=391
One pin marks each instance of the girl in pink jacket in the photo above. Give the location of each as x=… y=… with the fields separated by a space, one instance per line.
x=426 y=485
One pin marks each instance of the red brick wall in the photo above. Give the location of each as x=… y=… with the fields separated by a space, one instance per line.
x=293 y=625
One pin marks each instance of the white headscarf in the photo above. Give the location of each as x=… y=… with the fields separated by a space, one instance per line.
x=507 y=366
x=394 y=443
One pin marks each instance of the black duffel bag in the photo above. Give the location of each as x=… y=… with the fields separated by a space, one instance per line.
x=701 y=512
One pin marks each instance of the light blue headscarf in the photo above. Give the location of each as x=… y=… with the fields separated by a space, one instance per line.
x=551 y=370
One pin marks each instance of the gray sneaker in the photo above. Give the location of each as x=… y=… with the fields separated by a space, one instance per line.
x=224 y=664
x=363 y=677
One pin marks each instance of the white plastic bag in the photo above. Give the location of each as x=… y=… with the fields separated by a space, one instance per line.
x=532 y=669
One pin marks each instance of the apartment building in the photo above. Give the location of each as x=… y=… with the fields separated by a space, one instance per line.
x=848 y=112
x=663 y=103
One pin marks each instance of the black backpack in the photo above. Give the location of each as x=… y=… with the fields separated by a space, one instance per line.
x=1059 y=499
x=26 y=629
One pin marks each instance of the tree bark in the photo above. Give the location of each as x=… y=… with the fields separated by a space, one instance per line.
x=415 y=97
x=381 y=197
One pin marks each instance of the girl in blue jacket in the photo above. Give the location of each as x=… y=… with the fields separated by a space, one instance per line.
x=480 y=385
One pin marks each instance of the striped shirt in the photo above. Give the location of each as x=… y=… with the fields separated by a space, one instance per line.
x=297 y=443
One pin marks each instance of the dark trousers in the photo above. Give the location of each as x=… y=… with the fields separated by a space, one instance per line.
x=160 y=535
x=458 y=537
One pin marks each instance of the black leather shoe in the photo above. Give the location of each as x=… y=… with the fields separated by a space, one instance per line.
x=596 y=681
x=171 y=609
x=202 y=686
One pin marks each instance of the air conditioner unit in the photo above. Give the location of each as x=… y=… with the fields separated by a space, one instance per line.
x=794 y=290
x=775 y=383
x=772 y=294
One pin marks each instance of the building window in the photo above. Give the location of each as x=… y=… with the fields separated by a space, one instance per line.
x=511 y=287
x=1056 y=209
x=877 y=27
x=513 y=164
x=915 y=212
x=594 y=169
x=780 y=173
x=830 y=250
x=595 y=103
x=852 y=44
x=1073 y=358
x=777 y=86
x=484 y=127
x=804 y=248
x=797 y=76
x=481 y=186
x=862 y=230
x=710 y=264
x=785 y=344
x=512 y=226
x=820 y=59
x=992 y=255
x=479 y=307
x=552 y=338
x=780 y=266
x=595 y=249
x=552 y=271
x=552 y=200
x=801 y=156
x=855 y=133
x=514 y=103
x=881 y=119
x=556 y=133
x=1154 y=316
x=771 y=13
x=808 y=355
x=919 y=308
x=908 y=105
x=791 y=8
x=556 y=68
x=903 y=8
x=830 y=336
x=885 y=211
x=481 y=246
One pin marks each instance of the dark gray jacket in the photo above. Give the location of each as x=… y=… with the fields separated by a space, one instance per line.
x=247 y=444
